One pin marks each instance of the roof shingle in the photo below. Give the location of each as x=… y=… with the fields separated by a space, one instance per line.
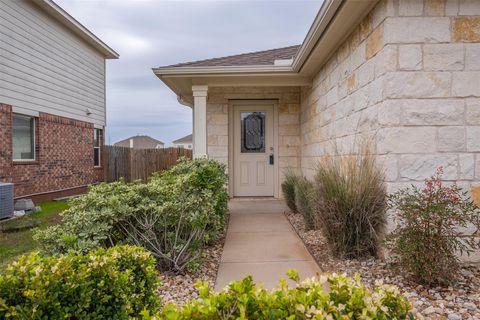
x=266 y=57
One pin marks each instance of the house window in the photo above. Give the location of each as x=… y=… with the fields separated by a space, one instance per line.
x=96 y=147
x=23 y=138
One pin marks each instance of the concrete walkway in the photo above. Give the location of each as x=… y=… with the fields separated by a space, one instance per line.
x=261 y=242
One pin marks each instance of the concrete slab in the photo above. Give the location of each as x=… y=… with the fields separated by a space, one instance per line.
x=253 y=222
x=246 y=205
x=265 y=273
x=262 y=247
x=261 y=242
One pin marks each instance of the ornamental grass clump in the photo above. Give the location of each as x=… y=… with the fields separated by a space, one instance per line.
x=288 y=189
x=350 y=203
x=435 y=224
x=329 y=296
x=304 y=201
x=116 y=283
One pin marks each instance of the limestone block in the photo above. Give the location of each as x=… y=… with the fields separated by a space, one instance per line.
x=443 y=57
x=218 y=151
x=410 y=8
x=469 y=8
x=368 y=119
x=358 y=57
x=433 y=112
x=217 y=129
x=473 y=111
x=451 y=139
x=466 y=84
x=332 y=96
x=410 y=57
x=288 y=162
x=389 y=165
x=466 y=29
x=419 y=167
x=366 y=73
x=473 y=139
x=287 y=119
x=417 y=30
x=406 y=140
x=287 y=151
x=435 y=7
x=417 y=84
x=374 y=91
x=477 y=168
x=381 y=11
x=358 y=100
x=289 y=141
x=472 y=56
x=374 y=42
x=466 y=164
x=386 y=60
x=294 y=108
x=451 y=7
x=288 y=129
x=217 y=118
x=390 y=112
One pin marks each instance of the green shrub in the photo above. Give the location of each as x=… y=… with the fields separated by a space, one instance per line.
x=172 y=216
x=350 y=201
x=328 y=297
x=288 y=189
x=431 y=229
x=117 y=283
x=304 y=201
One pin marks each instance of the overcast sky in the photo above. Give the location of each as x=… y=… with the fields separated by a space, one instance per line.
x=153 y=33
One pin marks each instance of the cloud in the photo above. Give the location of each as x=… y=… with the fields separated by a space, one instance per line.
x=153 y=33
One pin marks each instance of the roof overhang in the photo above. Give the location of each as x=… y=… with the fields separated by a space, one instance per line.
x=334 y=22
x=76 y=27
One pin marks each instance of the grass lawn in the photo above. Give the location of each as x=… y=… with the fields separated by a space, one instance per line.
x=14 y=244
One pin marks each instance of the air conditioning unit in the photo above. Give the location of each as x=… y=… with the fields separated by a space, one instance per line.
x=6 y=200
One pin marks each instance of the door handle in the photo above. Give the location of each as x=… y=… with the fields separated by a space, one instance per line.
x=271 y=159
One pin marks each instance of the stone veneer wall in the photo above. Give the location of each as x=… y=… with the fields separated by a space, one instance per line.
x=288 y=112
x=409 y=76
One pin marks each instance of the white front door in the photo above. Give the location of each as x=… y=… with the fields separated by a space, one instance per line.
x=253 y=160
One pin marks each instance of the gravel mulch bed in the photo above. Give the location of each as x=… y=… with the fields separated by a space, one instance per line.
x=179 y=288
x=459 y=301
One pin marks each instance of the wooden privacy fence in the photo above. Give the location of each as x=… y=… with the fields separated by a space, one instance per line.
x=139 y=164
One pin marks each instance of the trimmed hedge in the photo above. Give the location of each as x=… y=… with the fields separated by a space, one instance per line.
x=172 y=216
x=328 y=297
x=117 y=283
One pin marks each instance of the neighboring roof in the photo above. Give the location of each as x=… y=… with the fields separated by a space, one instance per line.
x=71 y=23
x=186 y=139
x=259 y=58
x=139 y=142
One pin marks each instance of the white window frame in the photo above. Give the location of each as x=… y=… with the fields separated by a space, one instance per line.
x=97 y=130
x=34 y=142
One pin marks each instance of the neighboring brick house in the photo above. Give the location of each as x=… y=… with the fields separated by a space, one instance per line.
x=52 y=100
x=140 y=142
x=405 y=73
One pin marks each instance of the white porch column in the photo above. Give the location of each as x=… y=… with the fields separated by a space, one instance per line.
x=200 y=121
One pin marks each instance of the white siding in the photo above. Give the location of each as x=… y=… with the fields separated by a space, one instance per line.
x=45 y=67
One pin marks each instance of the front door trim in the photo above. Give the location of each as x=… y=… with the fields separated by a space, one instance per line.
x=231 y=142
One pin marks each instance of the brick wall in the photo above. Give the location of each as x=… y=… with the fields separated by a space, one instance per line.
x=64 y=157
x=408 y=76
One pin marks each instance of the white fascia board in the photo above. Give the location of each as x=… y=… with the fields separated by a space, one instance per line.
x=63 y=17
x=260 y=69
x=320 y=24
